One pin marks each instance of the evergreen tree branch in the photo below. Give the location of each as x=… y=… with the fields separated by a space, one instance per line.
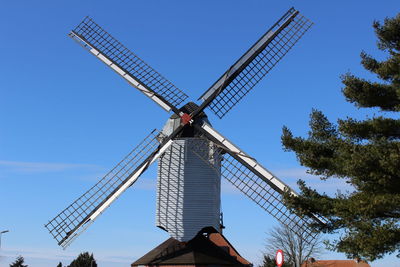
x=366 y=154
x=370 y=129
x=366 y=94
x=386 y=70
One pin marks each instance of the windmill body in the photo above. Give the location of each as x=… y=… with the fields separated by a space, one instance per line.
x=188 y=188
x=192 y=156
x=188 y=192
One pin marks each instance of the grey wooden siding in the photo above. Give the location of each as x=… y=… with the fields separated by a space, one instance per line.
x=188 y=192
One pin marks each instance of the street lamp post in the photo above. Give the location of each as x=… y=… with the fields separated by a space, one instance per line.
x=3 y=232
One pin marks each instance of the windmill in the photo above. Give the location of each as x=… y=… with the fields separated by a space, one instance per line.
x=192 y=155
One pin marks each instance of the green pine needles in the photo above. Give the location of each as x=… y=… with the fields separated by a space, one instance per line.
x=365 y=153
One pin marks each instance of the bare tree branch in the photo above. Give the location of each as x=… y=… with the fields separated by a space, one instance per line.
x=294 y=247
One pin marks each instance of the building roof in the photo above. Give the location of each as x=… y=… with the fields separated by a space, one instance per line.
x=223 y=243
x=335 y=263
x=211 y=249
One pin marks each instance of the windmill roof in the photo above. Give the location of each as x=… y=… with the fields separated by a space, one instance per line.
x=213 y=249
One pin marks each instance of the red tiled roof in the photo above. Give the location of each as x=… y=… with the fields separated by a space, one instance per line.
x=335 y=263
x=222 y=242
x=213 y=249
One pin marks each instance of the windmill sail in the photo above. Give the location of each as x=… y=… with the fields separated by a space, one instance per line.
x=184 y=182
x=139 y=74
x=256 y=182
x=241 y=77
x=69 y=223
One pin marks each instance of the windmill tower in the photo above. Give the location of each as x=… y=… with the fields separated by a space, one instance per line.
x=188 y=188
x=192 y=155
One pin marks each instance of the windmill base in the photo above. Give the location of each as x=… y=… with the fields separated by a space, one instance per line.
x=206 y=249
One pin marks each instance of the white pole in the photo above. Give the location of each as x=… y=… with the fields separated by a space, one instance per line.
x=2 y=232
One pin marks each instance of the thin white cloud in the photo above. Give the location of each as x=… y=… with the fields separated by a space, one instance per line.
x=146 y=184
x=290 y=176
x=151 y=184
x=40 y=167
x=228 y=188
x=298 y=173
x=330 y=186
x=46 y=254
x=64 y=256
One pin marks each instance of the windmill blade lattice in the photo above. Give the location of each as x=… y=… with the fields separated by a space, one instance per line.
x=266 y=192
x=264 y=195
x=256 y=62
x=127 y=64
x=188 y=127
x=69 y=223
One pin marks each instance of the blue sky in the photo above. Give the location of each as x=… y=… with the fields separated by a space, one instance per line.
x=66 y=119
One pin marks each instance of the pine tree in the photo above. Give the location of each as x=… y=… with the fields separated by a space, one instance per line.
x=84 y=260
x=59 y=264
x=19 y=262
x=365 y=153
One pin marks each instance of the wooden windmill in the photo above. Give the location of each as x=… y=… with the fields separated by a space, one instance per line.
x=192 y=155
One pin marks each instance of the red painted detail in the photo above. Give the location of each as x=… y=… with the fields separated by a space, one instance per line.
x=186 y=118
x=279 y=258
